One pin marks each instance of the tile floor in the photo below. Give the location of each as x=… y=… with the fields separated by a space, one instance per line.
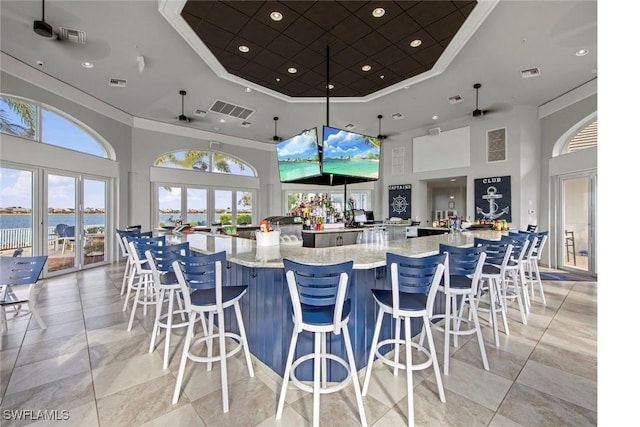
x=92 y=372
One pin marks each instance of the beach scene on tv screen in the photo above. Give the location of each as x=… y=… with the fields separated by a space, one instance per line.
x=298 y=156
x=351 y=154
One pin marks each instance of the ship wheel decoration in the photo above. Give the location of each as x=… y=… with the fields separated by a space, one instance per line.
x=399 y=204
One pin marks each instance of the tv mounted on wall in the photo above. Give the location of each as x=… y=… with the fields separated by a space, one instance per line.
x=350 y=154
x=299 y=156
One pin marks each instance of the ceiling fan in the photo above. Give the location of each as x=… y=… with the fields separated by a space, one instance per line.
x=275 y=136
x=42 y=28
x=480 y=113
x=182 y=117
x=380 y=135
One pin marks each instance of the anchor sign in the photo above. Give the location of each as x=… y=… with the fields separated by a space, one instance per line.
x=496 y=192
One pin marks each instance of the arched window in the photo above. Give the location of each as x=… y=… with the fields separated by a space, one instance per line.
x=587 y=137
x=205 y=161
x=26 y=119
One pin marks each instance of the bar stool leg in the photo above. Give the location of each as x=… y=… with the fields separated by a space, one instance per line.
x=426 y=330
x=409 y=366
x=354 y=375
x=243 y=337
x=287 y=374
x=372 y=352
x=317 y=363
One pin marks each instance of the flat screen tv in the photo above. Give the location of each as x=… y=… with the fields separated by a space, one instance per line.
x=299 y=156
x=350 y=154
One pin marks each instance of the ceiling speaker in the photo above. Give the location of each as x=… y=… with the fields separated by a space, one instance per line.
x=435 y=131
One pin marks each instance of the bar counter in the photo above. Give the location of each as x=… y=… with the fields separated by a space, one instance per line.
x=266 y=308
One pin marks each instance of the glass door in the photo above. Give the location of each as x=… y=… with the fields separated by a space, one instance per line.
x=94 y=220
x=62 y=217
x=578 y=220
x=16 y=211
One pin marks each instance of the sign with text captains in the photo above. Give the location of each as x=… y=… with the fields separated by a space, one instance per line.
x=493 y=198
x=400 y=201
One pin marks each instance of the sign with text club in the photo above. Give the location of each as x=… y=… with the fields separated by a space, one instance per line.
x=493 y=198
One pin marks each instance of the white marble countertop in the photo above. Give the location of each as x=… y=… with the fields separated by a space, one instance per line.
x=364 y=256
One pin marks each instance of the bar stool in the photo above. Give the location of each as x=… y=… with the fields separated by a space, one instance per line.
x=463 y=267
x=318 y=298
x=532 y=264
x=493 y=274
x=144 y=291
x=124 y=250
x=200 y=279
x=532 y=240
x=160 y=259
x=514 y=275
x=414 y=285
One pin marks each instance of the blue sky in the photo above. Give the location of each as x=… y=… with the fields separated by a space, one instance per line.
x=338 y=143
x=301 y=146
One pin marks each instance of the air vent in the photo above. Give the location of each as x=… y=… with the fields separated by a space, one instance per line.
x=232 y=110
x=350 y=126
x=435 y=131
x=200 y=113
x=73 y=36
x=397 y=116
x=531 y=72
x=497 y=145
x=117 y=82
x=455 y=99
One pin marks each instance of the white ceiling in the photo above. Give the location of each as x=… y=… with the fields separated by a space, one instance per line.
x=516 y=35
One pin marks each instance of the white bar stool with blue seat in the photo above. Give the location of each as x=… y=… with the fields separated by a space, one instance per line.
x=160 y=260
x=123 y=244
x=205 y=297
x=463 y=267
x=515 y=280
x=492 y=282
x=318 y=298
x=145 y=293
x=414 y=285
x=532 y=264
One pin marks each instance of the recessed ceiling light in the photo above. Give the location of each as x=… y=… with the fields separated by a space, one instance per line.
x=378 y=12
x=247 y=89
x=243 y=48
x=415 y=43
x=331 y=86
x=87 y=65
x=366 y=68
x=292 y=70
x=222 y=120
x=382 y=76
x=276 y=16
x=452 y=180
x=582 y=52
x=40 y=63
x=277 y=79
x=435 y=117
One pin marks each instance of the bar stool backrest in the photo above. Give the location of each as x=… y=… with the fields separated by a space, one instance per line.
x=163 y=256
x=317 y=286
x=203 y=271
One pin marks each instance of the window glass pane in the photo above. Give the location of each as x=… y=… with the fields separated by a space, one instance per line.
x=244 y=207
x=169 y=201
x=61 y=132
x=16 y=214
x=186 y=159
x=197 y=206
x=223 y=207
x=18 y=117
x=223 y=163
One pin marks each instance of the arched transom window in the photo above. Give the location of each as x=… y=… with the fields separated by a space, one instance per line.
x=29 y=120
x=587 y=137
x=205 y=161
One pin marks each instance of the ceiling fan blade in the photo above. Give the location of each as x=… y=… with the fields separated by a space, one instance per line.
x=499 y=108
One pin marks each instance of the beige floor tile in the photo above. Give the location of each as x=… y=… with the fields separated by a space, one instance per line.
x=54 y=369
x=533 y=408
x=556 y=382
x=123 y=374
x=38 y=352
x=183 y=416
x=85 y=415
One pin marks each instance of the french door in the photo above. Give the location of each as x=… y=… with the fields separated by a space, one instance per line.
x=58 y=214
x=578 y=223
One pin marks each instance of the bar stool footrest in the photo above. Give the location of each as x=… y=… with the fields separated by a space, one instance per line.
x=323 y=390
x=229 y=353
x=399 y=365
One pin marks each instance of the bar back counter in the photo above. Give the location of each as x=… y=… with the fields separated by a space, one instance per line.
x=266 y=308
